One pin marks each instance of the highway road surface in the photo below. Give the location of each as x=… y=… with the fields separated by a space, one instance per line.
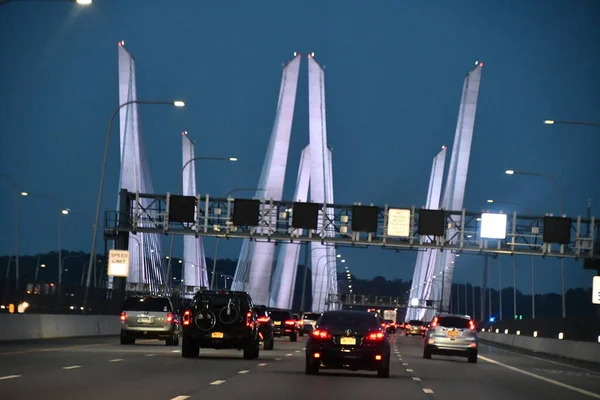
x=100 y=368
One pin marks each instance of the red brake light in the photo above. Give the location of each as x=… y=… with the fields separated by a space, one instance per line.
x=471 y=325
x=263 y=319
x=123 y=316
x=375 y=336
x=290 y=322
x=186 y=317
x=169 y=318
x=321 y=334
x=248 y=318
x=434 y=322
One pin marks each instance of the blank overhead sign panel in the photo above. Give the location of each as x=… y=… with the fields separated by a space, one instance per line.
x=432 y=222
x=364 y=218
x=182 y=208
x=118 y=263
x=557 y=230
x=245 y=212
x=305 y=215
x=398 y=222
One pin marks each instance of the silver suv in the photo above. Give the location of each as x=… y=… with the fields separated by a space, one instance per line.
x=451 y=335
x=149 y=317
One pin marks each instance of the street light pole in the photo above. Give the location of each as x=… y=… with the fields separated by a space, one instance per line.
x=79 y=2
x=560 y=206
x=176 y=103
x=16 y=200
x=564 y=122
x=231 y=159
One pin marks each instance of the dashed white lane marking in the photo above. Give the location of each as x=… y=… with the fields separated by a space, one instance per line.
x=115 y=360
x=175 y=351
x=180 y=398
x=72 y=367
x=278 y=359
x=150 y=355
x=542 y=378
x=244 y=371
x=409 y=370
x=262 y=364
x=289 y=355
x=404 y=363
x=217 y=382
x=428 y=391
x=2 y=378
x=304 y=348
x=416 y=378
x=297 y=351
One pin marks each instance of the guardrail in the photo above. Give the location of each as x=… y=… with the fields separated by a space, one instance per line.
x=582 y=329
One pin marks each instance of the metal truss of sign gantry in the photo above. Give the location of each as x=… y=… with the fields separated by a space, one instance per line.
x=358 y=300
x=346 y=225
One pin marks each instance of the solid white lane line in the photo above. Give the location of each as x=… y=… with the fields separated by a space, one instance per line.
x=217 y=382
x=180 y=398
x=149 y=355
x=289 y=355
x=2 y=378
x=278 y=359
x=409 y=370
x=244 y=371
x=542 y=378
x=115 y=360
x=416 y=378
x=262 y=364
x=72 y=367
x=428 y=391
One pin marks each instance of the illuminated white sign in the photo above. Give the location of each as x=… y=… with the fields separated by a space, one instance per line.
x=414 y=302
x=596 y=290
x=398 y=223
x=493 y=226
x=118 y=263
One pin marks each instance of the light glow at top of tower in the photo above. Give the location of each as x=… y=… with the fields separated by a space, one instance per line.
x=121 y=43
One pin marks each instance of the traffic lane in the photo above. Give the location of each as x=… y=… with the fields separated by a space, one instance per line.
x=150 y=375
x=453 y=377
x=38 y=345
x=286 y=379
x=565 y=372
x=22 y=362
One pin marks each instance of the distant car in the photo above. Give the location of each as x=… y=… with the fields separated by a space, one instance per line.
x=220 y=320
x=299 y=323
x=451 y=335
x=389 y=325
x=283 y=324
x=265 y=327
x=149 y=317
x=309 y=321
x=415 y=327
x=351 y=340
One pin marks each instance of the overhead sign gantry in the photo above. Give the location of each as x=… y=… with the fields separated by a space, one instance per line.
x=351 y=225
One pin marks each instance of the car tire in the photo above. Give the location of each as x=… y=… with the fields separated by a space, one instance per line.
x=269 y=344
x=250 y=352
x=301 y=333
x=472 y=358
x=384 y=372
x=311 y=367
x=189 y=348
x=427 y=353
x=294 y=337
x=172 y=341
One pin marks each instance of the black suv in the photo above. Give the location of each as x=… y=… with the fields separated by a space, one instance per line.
x=220 y=320
x=283 y=323
x=265 y=327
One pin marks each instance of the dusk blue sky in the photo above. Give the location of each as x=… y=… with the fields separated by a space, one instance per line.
x=394 y=75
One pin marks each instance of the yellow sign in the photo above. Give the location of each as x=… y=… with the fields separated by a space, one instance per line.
x=398 y=223
x=118 y=263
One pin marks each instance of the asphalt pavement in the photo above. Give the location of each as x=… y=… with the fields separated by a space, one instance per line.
x=100 y=368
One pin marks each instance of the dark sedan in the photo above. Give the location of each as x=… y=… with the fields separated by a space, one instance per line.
x=352 y=340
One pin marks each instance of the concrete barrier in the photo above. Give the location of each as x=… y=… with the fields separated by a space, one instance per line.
x=49 y=326
x=582 y=351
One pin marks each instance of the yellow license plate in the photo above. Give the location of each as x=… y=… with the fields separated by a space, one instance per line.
x=453 y=333
x=276 y=322
x=348 y=341
x=217 y=335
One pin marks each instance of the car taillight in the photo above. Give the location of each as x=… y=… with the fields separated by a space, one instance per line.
x=248 y=318
x=407 y=326
x=170 y=318
x=472 y=325
x=434 y=322
x=290 y=322
x=263 y=319
x=375 y=336
x=423 y=327
x=321 y=334
x=186 y=317
x=123 y=316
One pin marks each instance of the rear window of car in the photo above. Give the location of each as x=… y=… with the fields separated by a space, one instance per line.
x=415 y=322
x=222 y=300
x=280 y=315
x=453 y=322
x=311 y=316
x=159 y=304
x=350 y=320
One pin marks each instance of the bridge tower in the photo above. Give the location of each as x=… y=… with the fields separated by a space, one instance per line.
x=147 y=266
